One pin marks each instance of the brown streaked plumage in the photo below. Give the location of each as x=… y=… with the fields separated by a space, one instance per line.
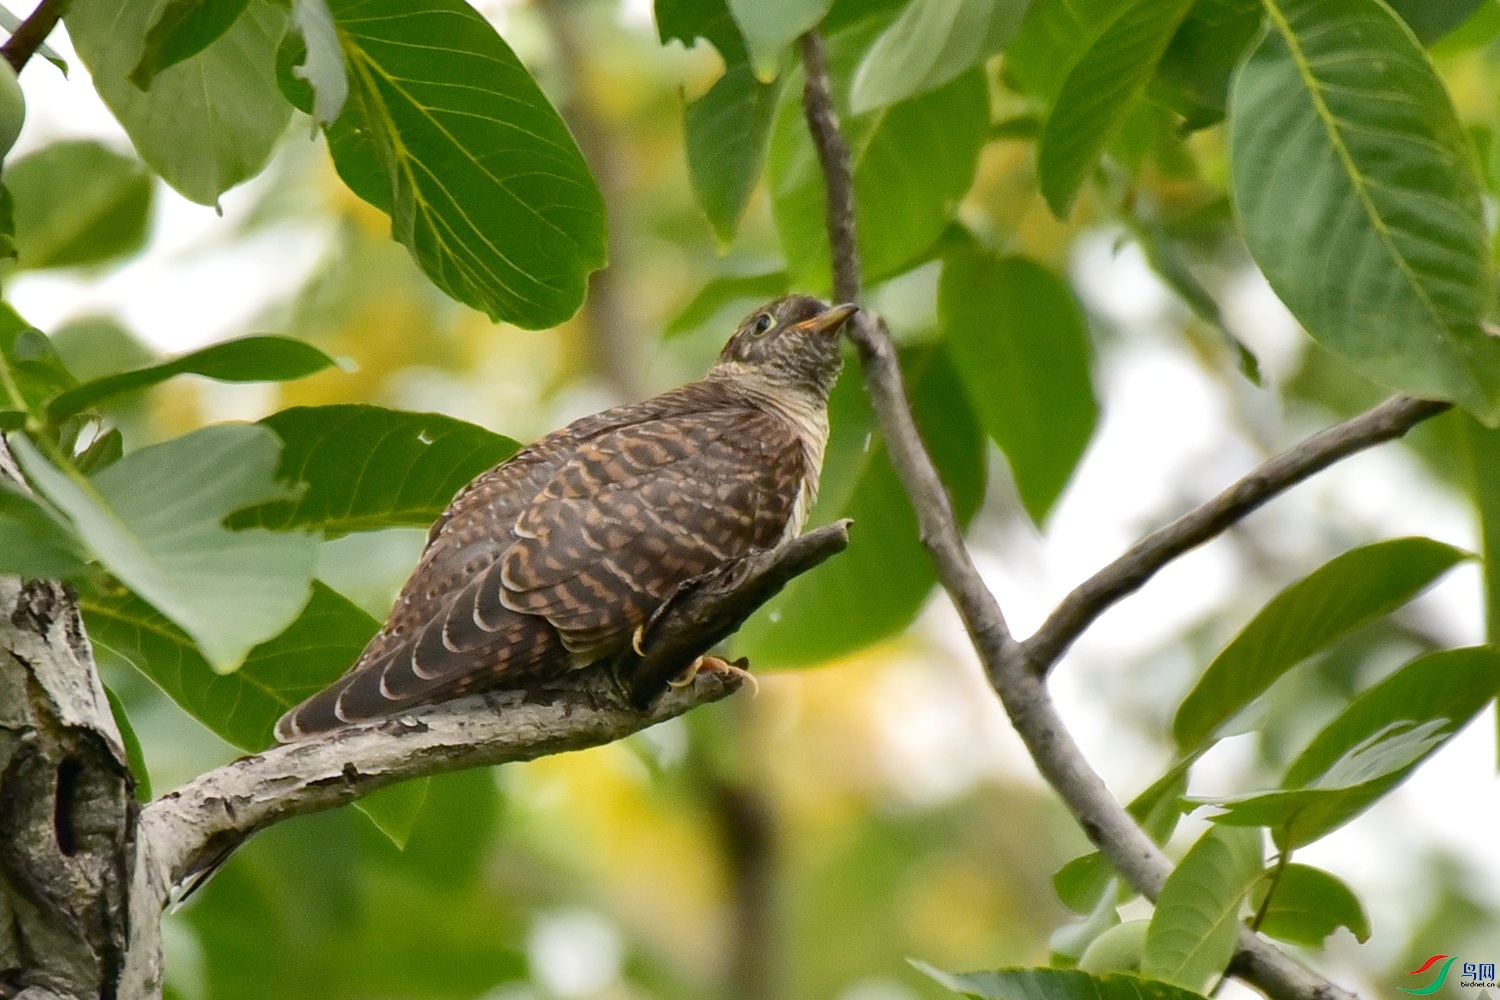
x=551 y=560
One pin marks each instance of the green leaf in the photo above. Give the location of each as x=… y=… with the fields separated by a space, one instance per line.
x=36 y=543
x=183 y=29
x=455 y=140
x=134 y=756
x=1069 y=942
x=1308 y=905
x=875 y=588
x=395 y=809
x=1118 y=949
x=1358 y=196
x=1055 y=984
x=769 y=26
x=106 y=449
x=727 y=132
x=1196 y=920
x=1020 y=346
x=248 y=359
x=241 y=708
x=1430 y=20
x=929 y=44
x=207 y=123
x=688 y=20
x=77 y=203
x=30 y=370
x=1371 y=747
x=1053 y=36
x=912 y=163
x=1194 y=73
x=322 y=63
x=1099 y=91
x=364 y=467
x=1356 y=587
x=153 y=519
x=748 y=290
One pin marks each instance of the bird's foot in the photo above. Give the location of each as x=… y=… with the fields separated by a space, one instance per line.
x=716 y=665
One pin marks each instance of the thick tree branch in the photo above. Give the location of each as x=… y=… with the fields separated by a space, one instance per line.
x=1021 y=689
x=190 y=830
x=1129 y=572
x=32 y=32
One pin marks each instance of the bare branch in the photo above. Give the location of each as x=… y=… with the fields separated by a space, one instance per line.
x=1021 y=688
x=32 y=32
x=838 y=176
x=1128 y=573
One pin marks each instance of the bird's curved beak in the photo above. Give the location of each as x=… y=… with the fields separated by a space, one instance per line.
x=829 y=320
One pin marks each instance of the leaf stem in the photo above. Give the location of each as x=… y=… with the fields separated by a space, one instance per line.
x=32 y=32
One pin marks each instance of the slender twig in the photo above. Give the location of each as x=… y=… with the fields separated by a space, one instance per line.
x=833 y=153
x=1022 y=690
x=1129 y=572
x=32 y=32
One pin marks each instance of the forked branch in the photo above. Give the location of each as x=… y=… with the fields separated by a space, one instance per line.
x=1017 y=670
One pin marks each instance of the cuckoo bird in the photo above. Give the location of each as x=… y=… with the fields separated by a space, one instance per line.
x=556 y=558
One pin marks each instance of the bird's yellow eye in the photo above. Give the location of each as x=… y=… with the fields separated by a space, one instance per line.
x=763 y=322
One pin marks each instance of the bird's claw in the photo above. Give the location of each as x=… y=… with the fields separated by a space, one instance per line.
x=637 y=638
x=716 y=665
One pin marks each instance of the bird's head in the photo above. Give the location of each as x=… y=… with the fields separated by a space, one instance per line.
x=791 y=342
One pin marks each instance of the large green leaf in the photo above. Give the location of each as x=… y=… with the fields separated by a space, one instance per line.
x=1308 y=905
x=876 y=587
x=76 y=203
x=242 y=707
x=248 y=359
x=365 y=467
x=1197 y=917
x=769 y=26
x=912 y=163
x=1018 y=341
x=1056 y=984
x=154 y=520
x=932 y=42
x=182 y=29
x=1371 y=747
x=1358 y=196
x=727 y=132
x=1098 y=92
x=1360 y=585
x=207 y=123
x=483 y=182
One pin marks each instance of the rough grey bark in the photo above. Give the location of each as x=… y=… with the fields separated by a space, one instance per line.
x=67 y=811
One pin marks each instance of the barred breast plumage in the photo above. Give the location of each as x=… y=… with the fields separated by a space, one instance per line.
x=552 y=559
